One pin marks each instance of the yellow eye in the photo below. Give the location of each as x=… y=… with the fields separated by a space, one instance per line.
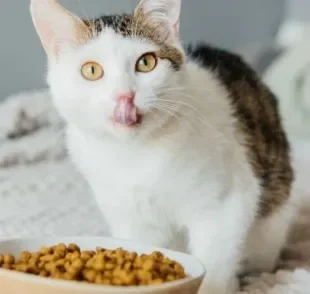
x=92 y=71
x=146 y=63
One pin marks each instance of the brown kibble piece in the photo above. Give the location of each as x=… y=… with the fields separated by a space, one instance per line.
x=1 y=259
x=106 y=282
x=98 y=279
x=99 y=266
x=128 y=266
x=50 y=267
x=60 y=262
x=48 y=258
x=46 y=250
x=59 y=254
x=78 y=264
x=67 y=265
x=102 y=266
x=25 y=256
x=73 y=248
x=43 y=274
x=7 y=266
x=61 y=247
x=148 y=265
x=89 y=275
x=41 y=265
x=9 y=259
x=21 y=268
x=117 y=282
x=110 y=266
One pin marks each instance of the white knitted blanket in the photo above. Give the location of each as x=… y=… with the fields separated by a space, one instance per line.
x=42 y=194
x=40 y=191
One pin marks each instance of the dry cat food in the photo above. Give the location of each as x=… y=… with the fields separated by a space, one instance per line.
x=106 y=267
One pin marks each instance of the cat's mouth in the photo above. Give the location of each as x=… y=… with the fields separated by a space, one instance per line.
x=126 y=114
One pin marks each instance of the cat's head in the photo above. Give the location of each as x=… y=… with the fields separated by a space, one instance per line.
x=113 y=74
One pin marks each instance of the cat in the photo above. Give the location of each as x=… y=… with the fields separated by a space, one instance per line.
x=183 y=147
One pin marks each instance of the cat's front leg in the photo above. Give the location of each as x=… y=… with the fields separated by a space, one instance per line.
x=136 y=215
x=140 y=232
x=127 y=223
x=153 y=233
x=217 y=239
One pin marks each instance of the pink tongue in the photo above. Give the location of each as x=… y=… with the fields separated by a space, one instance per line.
x=125 y=113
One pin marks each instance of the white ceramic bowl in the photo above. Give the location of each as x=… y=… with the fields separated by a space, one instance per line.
x=19 y=283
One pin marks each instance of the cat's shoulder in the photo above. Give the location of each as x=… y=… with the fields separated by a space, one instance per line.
x=258 y=118
x=229 y=66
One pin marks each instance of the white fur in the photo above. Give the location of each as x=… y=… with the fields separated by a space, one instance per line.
x=180 y=180
x=190 y=181
x=266 y=239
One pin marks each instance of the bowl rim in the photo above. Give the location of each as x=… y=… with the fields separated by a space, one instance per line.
x=74 y=285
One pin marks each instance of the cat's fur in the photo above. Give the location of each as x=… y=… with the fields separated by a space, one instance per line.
x=208 y=170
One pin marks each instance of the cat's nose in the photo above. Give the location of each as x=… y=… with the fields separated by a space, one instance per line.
x=126 y=96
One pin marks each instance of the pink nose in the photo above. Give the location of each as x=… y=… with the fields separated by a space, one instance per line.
x=127 y=96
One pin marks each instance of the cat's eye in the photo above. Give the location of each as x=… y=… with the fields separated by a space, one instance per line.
x=92 y=71
x=146 y=63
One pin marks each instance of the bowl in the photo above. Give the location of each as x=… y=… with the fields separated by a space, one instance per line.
x=20 y=283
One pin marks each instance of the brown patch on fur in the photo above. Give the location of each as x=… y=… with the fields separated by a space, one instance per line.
x=144 y=27
x=140 y=26
x=266 y=142
x=258 y=119
x=173 y=55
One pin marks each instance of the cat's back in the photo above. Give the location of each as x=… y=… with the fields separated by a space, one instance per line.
x=256 y=111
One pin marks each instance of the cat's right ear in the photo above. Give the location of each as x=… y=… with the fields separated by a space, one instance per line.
x=56 y=26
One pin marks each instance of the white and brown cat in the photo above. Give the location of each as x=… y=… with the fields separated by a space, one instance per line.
x=182 y=147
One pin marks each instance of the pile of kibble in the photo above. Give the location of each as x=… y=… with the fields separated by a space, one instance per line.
x=102 y=266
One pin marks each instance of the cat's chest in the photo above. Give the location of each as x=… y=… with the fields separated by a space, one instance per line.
x=155 y=178
x=119 y=165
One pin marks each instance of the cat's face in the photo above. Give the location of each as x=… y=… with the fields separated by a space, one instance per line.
x=113 y=74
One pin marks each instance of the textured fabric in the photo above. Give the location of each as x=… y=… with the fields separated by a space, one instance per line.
x=293 y=275
x=30 y=130
x=46 y=199
x=41 y=193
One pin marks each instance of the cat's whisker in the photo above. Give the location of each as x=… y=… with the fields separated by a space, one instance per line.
x=157 y=116
x=179 y=93
x=170 y=111
x=185 y=115
x=173 y=112
x=200 y=118
x=191 y=97
x=166 y=86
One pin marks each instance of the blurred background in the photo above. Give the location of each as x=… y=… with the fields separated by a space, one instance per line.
x=237 y=25
x=40 y=191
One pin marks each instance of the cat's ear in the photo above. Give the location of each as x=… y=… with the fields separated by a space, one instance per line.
x=163 y=13
x=56 y=26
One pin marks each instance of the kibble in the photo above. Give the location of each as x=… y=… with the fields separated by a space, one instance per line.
x=101 y=266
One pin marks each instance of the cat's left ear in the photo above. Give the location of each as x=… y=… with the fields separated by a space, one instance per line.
x=56 y=26
x=165 y=14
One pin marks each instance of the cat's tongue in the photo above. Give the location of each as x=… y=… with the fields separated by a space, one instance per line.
x=125 y=113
